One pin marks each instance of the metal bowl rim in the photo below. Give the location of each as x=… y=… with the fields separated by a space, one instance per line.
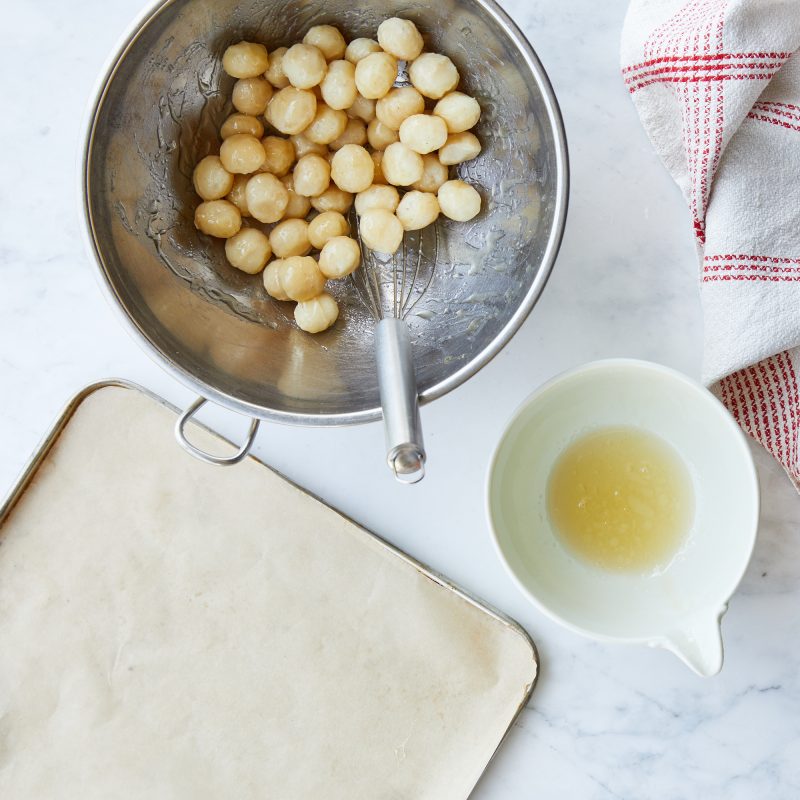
x=555 y=120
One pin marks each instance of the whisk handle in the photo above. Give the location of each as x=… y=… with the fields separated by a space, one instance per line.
x=399 y=399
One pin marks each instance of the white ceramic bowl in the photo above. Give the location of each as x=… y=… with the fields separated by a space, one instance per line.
x=678 y=608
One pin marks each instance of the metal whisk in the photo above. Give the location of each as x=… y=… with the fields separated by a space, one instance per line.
x=390 y=286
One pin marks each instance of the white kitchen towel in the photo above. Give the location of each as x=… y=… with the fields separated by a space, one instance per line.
x=717 y=88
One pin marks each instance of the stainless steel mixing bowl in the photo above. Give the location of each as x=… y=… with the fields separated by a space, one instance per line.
x=157 y=112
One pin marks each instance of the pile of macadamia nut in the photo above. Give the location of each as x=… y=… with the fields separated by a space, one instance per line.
x=339 y=132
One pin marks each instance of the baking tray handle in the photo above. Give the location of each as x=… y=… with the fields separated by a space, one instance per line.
x=219 y=461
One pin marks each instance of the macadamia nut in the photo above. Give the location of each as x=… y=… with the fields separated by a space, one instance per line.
x=423 y=133
x=304 y=65
x=340 y=256
x=459 y=111
x=242 y=154
x=326 y=226
x=328 y=40
x=328 y=124
x=237 y=194
x=267 y=197
x=434 y=75
x=273 y=279
x=303 y=146
x=312 y=175
x=352 y=169
x=398 y=105
x=458 y=200
x=400 y=37
x=417 y=210
x=333 y=199
x=381 y=230
x=338 y=87
x=249 y=250
x=274 y=72
x=280 y=155
x=301 y=278
x=380 y=136
x=317 y=314
x=291 y=110
x=218 y=218
x=377 y=160
x=241 y=123
x=434 y=174
x=459 y=147
x=298 y=205
x=362 y=109
x=401 y=165
x=245 y=60
x=211 y=180
x=354 y=133
x=375 y=75
x=251 y=95
x=377 y=196
x=290 y=238
x=361 y=48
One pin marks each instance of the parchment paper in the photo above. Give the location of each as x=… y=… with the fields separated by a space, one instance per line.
x=170 y=629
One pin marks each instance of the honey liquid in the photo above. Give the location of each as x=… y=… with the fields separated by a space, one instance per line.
x=621 y=499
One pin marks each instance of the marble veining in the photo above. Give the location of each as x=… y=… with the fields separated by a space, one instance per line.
x=605 y=722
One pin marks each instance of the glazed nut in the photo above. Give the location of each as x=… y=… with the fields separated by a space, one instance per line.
x=291 y=110
x=312 y=175
x=317 y=314
x=273 y=279
x=298 y=205
x=424 y=133
x=377 y=196
x=237 y=194
x=303 y=146
x=459 y=147
x=266 y=197
x=325 y=226
x=274 y=72
x=361 y=48
x=459 y=111
x=401 y=165
x=218 y=218
x=338 y=87
x=279 y=155
x=381 y=230
x=362 y=109
x=434 y=174
x=328 y=40
x=352 y=168
x=375 y=75
x=248 y=250
x=304 y=65
x=211 y=180
x=301 y=278
x=242 y=154
x=434 y=75
x=251 y=95
x=400 y=37
x=354 y=133
x=245 y=60
x=380 y=136
x=241 y=123
x=340 y=256
x=417 y=210
x=458 y=200
x=398 y=105
x=290 y=238
x=333 y=199
x=328 y=124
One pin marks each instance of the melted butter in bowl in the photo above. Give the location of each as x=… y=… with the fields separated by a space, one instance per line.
x=621 y=499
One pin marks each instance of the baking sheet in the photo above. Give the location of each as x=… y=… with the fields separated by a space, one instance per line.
x=172 y=629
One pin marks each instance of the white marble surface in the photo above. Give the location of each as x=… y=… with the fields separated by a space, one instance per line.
x=605 y=722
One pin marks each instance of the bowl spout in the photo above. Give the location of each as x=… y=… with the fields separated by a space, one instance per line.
x=699 y=642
